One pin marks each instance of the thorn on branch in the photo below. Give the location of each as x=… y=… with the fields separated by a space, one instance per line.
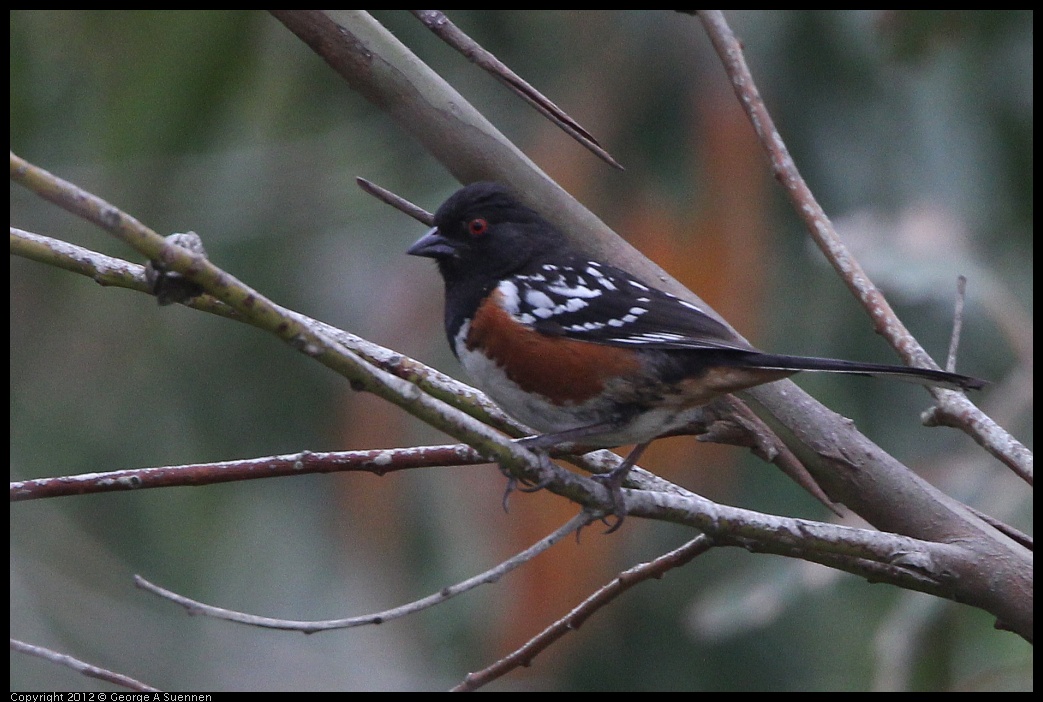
x=399 y=203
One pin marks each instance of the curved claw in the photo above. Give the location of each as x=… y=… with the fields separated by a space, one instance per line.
x=613 y=481
x=512 y=485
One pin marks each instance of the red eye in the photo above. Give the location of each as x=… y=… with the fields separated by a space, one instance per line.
x=477 y=227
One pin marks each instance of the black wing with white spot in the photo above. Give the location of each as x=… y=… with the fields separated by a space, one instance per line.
x=605 y=305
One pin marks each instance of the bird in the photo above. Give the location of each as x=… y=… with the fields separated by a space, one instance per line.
x=585 y=352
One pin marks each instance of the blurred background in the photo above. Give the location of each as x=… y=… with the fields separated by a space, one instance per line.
x=914 y=129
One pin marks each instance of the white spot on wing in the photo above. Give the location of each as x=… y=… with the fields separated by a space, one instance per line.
x=509 y=293
x=539 y=300
x=585 y=327
x=561 y=288
x=651 y=338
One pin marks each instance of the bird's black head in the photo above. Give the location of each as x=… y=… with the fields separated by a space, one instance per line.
x=482 y=231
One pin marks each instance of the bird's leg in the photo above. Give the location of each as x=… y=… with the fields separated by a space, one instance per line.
x=569 y=436
x=613 y=480
x=538 y=443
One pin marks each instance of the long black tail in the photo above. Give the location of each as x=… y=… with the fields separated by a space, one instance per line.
x=922 y=376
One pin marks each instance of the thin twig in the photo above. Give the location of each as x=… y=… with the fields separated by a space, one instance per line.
x=443 y=27
x=957 y=322
x=572 y=621
x=884 y=319
x=91 y=671
x=377 y=461
x=104 y=270
x=397 y=201
x=954 y=409
x=309 y=627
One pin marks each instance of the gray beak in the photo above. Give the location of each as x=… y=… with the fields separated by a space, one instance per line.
x=433 y=245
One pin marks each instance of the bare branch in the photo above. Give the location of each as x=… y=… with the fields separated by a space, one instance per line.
x=309 y=627
x=443 y=27
x=117 y=272
x=91 y=671
x=397 y=201
x=572 y=621
x=885 y=321
x=983 y=430
x=957 y=321
x=376 y=461
x=264 y=314
x=732 y=422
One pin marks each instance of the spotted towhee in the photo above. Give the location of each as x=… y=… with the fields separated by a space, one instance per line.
x=584 y=351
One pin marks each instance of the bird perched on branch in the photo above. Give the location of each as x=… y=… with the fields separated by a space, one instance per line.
x=584 y=351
